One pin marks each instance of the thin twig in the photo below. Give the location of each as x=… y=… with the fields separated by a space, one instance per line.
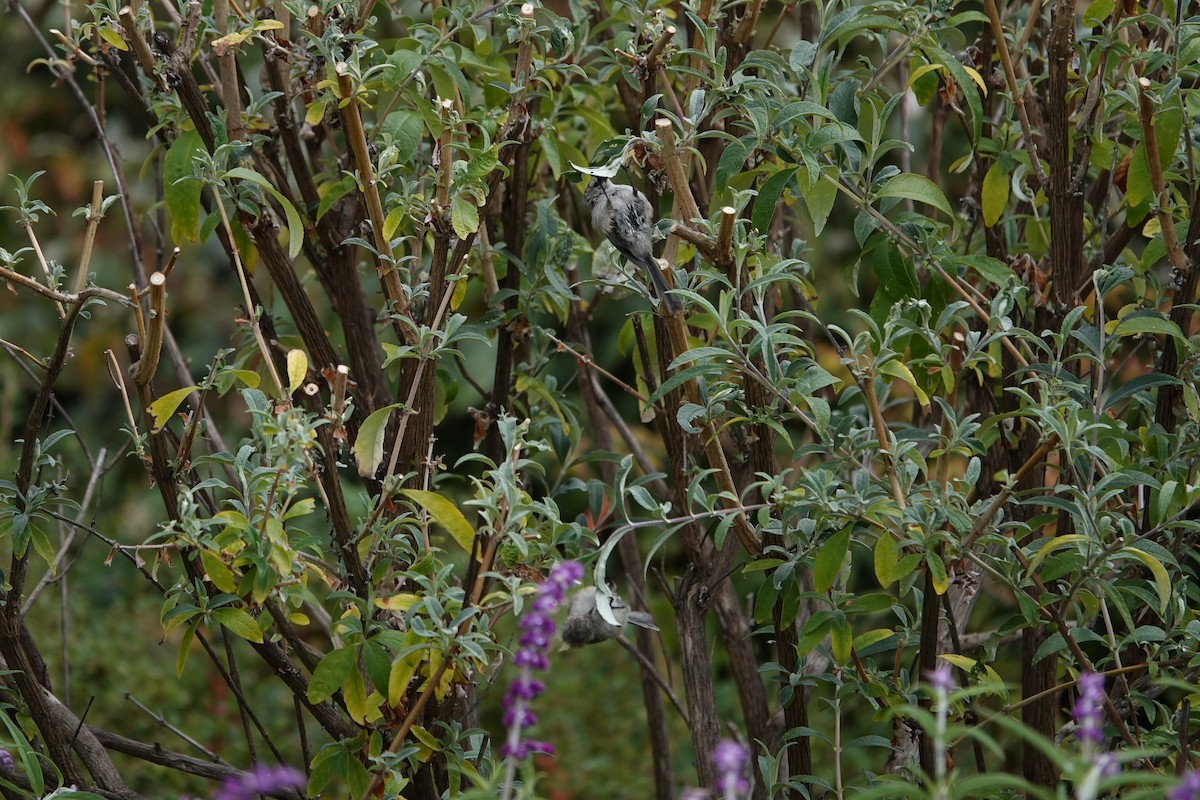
x=1010 y=76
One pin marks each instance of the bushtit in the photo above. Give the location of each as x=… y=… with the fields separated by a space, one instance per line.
x=624 y=216
x=585 y=625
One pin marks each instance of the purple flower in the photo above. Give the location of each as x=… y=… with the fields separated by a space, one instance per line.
x=537 y=632
x=1188 y=788
x=1108 y=765
x=1088 y=705
x=730 y=757
x=6 y=762
x=941 y=678
x=262 y=779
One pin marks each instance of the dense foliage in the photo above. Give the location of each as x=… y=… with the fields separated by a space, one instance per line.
x=909 y=483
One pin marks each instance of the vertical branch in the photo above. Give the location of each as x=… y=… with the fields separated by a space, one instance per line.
x=1066 y=207
x=94 y=215
x=140 y=48
x=1010 y=76
x=356 y=136
x=677 y=171
x=513 y=220
x=631 y=559
x=1175 y=254
x=695 y=658
x=13 y=635
x=147 y=365
x=231 y=96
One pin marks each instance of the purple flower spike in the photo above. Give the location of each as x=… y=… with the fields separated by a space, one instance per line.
x=730 y=757
x=537 y=632
x=6 y=762
x=1088 y=708
x=1188 y=788
x=262 y=779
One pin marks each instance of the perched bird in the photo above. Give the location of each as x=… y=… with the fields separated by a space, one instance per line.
x=585 y=625
x=624 y=216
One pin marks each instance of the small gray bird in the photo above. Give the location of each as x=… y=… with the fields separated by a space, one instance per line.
x=624 y=216
x=585 y=625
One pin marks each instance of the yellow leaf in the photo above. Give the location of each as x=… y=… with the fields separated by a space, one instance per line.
x=297 y=368
x=218 y=572
x=230 y=40
x=994 y=194
x=112 y=37
x=898 y=369
x=975 y=76
x=392 y=222
x=401 y=674
x=397 y=602
x=428 y=743
x=460 y=291
x=962 y=662
x=316 y=111
x=162 y=408
x=445 y=514
x=920 y=71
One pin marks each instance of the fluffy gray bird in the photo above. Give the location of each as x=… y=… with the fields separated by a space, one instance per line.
x=624 y=216
x=585 y=625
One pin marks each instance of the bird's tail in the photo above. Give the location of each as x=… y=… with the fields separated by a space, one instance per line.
x=642 y=620
x=661 y=288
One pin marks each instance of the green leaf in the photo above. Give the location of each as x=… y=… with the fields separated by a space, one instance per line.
x=1139 y=384
x=331 y=673
x=333 y=191
x=828 y=561
x=897 y=278
x=464 y=216
x=333 y=761
x=1098 y=11
x=406 y=129
x=967 y=82
x=733 y=157
x=937 y=571
x=368 y=447
x=1167 y=128
x=995 y=194
x=447 y=515
x=1164 y=501
x=240 y=622
x=218 y=573
x=43 y=546
x=295 y=226
x=910 y=186
x=181 y=191
x=993 y=270
x=819 y=197
x=1149 y=322
x=841 y=638
x=869 y=638
x=164 y=407
x=768 y=199
x=185 y=646
x=354 y=693
x=1055 y=544
x=887 y=558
